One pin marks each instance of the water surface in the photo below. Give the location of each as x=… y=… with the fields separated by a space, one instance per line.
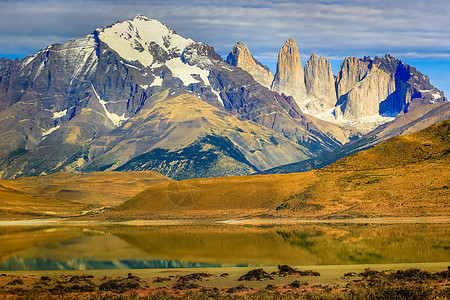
x=51 y=247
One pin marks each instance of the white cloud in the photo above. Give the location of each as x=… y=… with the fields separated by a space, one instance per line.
x=419 y=29
x=335 y=27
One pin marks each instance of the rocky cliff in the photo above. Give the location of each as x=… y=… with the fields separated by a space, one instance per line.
x=382 y=86
x=289 y=78
x=319 y=80
x=241 y=57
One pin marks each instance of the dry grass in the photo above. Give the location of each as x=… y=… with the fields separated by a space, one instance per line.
x=66 y=194
x=18 y=204
x=420 y=189
x=100 y=188
x=406 y=176
x=402 y=177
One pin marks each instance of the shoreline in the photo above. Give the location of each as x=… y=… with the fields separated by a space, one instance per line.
x=326 y=270
x=246 y=221
x=429 y=280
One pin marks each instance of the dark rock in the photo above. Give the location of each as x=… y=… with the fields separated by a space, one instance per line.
x=256 y=274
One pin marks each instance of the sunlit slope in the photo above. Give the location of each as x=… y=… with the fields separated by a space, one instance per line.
x=184 y=137
x=17 y=203
x=66 y=194
x=430 y=144
x=404 y=176
x=99 y=188
x=416 y=119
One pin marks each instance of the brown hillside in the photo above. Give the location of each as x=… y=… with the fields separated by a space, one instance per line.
x=67 y=194
x=432 y=143
x=100 y=188
x=402 y=177
x=18 y=204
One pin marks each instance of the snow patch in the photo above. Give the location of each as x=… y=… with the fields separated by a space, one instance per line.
x=115 y=119
x=131 y=38
x=130 y=66
x=218 y=96
x=184 y=72
x=47 y=132
x=157 y=82
x=59 y=114
x=334 y=116
x=39 y=70
x=227 y=68
x=436 y=96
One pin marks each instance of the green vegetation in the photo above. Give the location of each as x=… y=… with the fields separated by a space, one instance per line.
x=191 y=161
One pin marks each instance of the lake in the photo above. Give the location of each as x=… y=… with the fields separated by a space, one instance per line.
x=57 y=247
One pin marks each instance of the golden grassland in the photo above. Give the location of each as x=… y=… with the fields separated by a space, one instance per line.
x=18 y=204
x=406 y=176
x=403 y=177
x=103 y=188
x=67 y=195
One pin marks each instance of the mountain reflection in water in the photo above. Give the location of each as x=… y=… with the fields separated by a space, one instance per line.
x=203 y=246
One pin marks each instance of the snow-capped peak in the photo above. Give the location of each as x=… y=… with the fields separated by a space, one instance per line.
x=132 y=39
x=141 y=17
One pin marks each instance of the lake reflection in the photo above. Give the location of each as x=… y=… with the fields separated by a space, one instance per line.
x=132 y=247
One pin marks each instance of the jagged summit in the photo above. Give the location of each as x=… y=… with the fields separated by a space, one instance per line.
x=241 y=57
x=145 y=40
x=319 y=80
x=290 y=78
x=136 y=95
x=141 y=17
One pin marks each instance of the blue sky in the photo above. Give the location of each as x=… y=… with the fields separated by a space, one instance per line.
x=417 y=32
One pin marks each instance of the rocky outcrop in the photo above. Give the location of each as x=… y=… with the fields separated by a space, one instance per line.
x=382 y=86
x=416 y=119
x=352 y=71
x=241 y=57
x=114 y=99
x=319 y=80
x=290 y=78
x=364 y=98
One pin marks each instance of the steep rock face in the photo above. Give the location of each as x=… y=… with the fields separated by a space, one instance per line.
x=226 y=145
x=290 y=78
x=382 y=86
x=248 y=99
x=365 y=97
x=319 y=80
x=241 y=57
x=352 y=71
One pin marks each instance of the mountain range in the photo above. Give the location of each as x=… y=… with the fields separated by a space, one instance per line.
x=135 y=96
x=402 y=177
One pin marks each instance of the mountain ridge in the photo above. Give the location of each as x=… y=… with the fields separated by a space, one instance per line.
x=75 y=107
